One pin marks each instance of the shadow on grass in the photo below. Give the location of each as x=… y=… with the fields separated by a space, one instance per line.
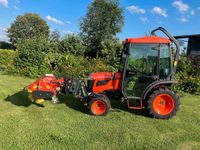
x=118 y=106
x=73 y=103
x=21 y=99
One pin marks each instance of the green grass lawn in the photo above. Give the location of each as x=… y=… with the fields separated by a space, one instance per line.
x=69 y=126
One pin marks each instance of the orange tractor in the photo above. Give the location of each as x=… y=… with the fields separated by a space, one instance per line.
x=144 y=80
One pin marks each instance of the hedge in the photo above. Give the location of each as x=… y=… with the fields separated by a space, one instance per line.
x=77 y=67
x=7 y=58
x=188 y=75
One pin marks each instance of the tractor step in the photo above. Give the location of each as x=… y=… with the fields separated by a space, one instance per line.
x=134 y=103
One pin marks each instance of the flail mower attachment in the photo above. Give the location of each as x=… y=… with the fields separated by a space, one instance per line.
x=49 y=86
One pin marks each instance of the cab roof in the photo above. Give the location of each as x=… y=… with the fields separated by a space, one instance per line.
x=148 y=40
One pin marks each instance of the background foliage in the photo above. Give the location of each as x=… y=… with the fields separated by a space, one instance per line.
x=188 y=74
x=27 y=26
x=72 y=44
x=80 y=67
x=31 y=59
x=73 y=66
x=102 y=22
x=7 y=59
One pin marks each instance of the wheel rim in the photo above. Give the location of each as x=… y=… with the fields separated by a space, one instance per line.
x=163 y=104
x=98 y=107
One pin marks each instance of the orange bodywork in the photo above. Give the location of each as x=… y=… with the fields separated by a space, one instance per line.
x=148 y=40
x=112 y=81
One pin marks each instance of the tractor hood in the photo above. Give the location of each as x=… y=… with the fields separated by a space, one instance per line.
x=101 y=76
x=104 y=81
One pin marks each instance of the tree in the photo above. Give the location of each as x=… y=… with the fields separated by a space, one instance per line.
x=31 y=59
x=72 y=44
x=112 y=51
x=54 y=40
x=27 y=26
x=103 y=21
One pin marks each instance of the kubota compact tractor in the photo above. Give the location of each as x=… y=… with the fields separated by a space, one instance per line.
x=144 y=79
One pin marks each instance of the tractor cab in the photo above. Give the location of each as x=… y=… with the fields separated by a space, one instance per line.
x=148 y=67
x=145 y=60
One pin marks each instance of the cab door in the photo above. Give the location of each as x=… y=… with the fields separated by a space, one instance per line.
x=141 y=68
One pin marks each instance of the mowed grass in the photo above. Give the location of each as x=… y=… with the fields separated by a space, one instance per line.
x=68 y=125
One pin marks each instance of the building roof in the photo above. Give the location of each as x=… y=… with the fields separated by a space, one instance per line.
x=187 y=36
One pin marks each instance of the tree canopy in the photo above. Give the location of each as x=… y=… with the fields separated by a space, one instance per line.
x=102 y=22
x=27 y=26
x=54 y=40
x=72 y=44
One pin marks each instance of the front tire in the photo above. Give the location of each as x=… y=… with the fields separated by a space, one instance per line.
x=99 y=105
x=163 y=104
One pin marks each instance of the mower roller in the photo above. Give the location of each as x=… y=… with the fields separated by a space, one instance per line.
x=144 y=80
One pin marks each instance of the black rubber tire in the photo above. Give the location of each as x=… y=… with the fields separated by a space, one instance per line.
x=100 y=97
x=152 y=97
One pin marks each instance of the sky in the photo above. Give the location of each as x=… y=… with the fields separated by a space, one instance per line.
x=179 y=17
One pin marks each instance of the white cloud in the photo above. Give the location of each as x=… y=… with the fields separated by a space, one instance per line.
x=192 y=12
x=49 y=18
x=3 y=29
x=4 y=3
x=144 y=19
x=183 y=20
x=68 y=32
x=3 y=35
x=182 y=7
x=16 y=8
x=135 y=9
x=51 y=29
x=159 y=11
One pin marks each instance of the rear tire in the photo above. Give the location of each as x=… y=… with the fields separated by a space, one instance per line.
x=163 y=104
x=99 y=105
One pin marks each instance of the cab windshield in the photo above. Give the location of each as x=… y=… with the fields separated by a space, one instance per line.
x=144 y=58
